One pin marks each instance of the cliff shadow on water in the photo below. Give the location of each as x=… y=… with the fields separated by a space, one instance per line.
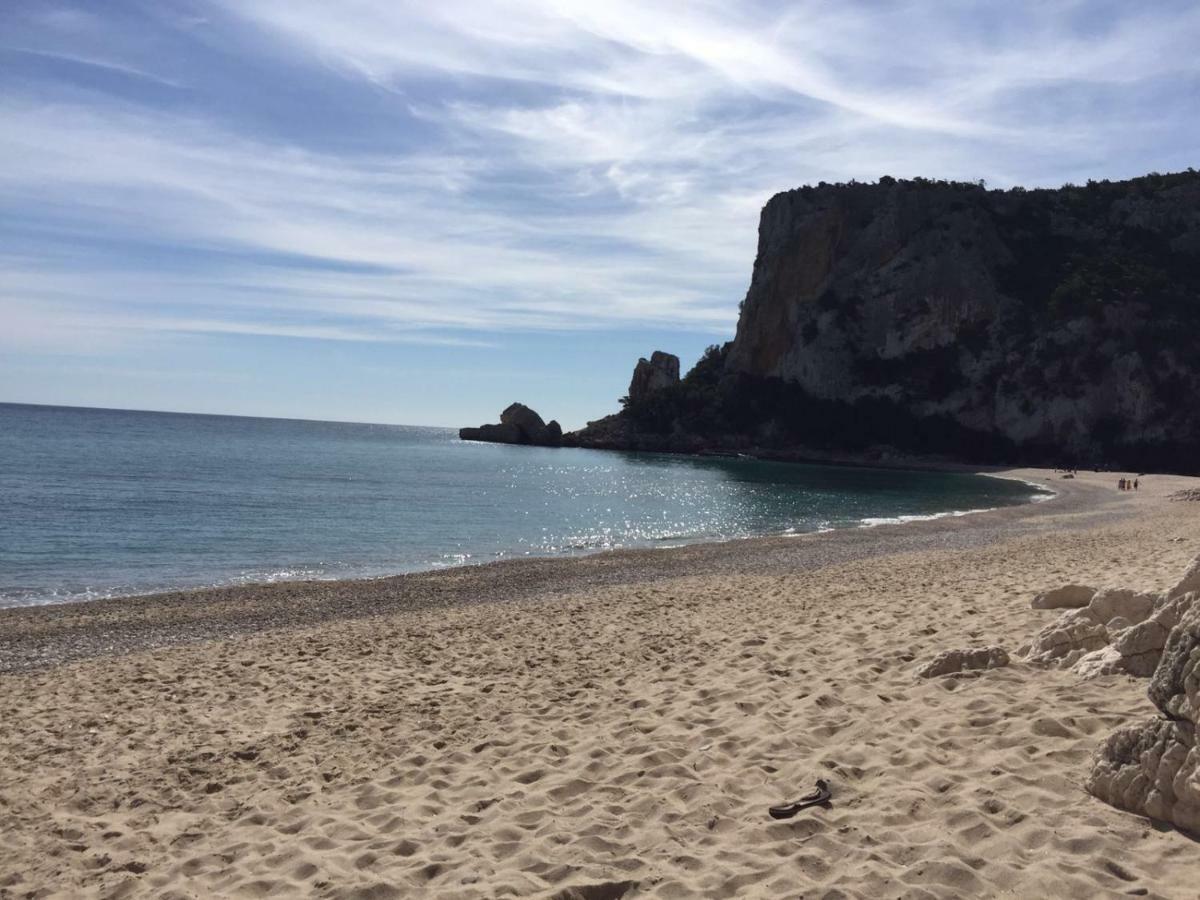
x=946 y=321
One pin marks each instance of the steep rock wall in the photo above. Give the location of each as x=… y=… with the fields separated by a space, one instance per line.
x=946 y=320
x=1058 y=319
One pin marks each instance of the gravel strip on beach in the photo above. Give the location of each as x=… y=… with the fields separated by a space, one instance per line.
x=44 y=636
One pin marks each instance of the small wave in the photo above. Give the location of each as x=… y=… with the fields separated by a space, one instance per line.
x=1041 y=492
x=276 y=575
x=871 y=522
x=57 y=597
x=818 y=528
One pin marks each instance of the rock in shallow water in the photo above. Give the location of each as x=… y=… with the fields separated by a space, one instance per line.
x=518 y=425
x=520 y=416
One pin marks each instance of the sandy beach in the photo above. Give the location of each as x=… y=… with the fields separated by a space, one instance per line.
x=607 y=727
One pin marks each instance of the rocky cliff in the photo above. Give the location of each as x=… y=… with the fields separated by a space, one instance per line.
x=944 y=319
x=659 y=372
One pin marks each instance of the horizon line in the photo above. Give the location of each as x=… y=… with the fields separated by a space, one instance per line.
x=181 y=412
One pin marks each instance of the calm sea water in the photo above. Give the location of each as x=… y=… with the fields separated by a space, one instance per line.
x=97 y=503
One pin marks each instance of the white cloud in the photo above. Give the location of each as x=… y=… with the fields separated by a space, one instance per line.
x=99 y=63
x=395 y=245
x=579 y=164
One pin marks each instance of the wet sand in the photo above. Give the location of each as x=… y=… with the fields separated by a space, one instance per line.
x=610 y=726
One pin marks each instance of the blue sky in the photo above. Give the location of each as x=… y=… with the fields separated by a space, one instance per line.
x=418 y=212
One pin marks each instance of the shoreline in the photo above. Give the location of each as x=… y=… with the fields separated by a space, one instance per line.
x=255 y=582
x=1046 y=492
x=46 y=635
x=610 y=726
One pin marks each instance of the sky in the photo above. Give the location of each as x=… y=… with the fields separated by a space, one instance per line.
x=374 y=210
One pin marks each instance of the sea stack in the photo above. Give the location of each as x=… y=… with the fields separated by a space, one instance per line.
x=518 y=425
x=651 y=375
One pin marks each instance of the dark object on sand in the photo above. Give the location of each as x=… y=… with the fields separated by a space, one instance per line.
x=819 y=797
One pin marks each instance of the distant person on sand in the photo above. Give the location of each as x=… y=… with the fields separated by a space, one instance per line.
x=1121 y=484
x=1135 y=484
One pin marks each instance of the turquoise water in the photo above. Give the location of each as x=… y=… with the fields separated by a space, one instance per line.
x=97 y=503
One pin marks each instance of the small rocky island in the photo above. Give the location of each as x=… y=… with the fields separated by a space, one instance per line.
x=521 y=425
x=518 y=425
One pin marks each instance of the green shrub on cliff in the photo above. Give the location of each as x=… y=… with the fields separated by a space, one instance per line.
x=693 y=404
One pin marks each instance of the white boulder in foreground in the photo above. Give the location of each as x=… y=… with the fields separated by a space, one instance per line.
x=952 y=662
x=1154 y=769
x=1189 y=583
x=1137 y=649
x=1069 y=596
x=1063 y=642
x=1117 y=632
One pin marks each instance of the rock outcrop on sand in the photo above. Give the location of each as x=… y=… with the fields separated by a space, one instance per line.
x=1063 y=642
x=1154 y=769
x=1117 y=631
x=518 y=425
x=953 y=662
x=1190 y=581
x=1069 y=596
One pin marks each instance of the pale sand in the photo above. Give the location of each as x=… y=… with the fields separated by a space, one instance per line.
x=618 y=740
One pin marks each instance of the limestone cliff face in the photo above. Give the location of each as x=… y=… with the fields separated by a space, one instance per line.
x=1057 y=319
x=953 y=321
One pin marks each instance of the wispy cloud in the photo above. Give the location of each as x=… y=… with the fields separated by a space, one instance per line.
x=461 y=170
x=96 y=63
x=393 y=248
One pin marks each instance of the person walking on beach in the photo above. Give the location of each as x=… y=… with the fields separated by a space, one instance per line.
x=1135 y=484
x=1121 y=484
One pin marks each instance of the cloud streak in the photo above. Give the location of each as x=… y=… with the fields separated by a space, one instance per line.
x=461 y=171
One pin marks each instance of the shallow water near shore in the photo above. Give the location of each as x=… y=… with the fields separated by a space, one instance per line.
x=98 y=503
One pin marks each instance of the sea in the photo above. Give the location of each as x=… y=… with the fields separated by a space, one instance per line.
x=100 y=502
